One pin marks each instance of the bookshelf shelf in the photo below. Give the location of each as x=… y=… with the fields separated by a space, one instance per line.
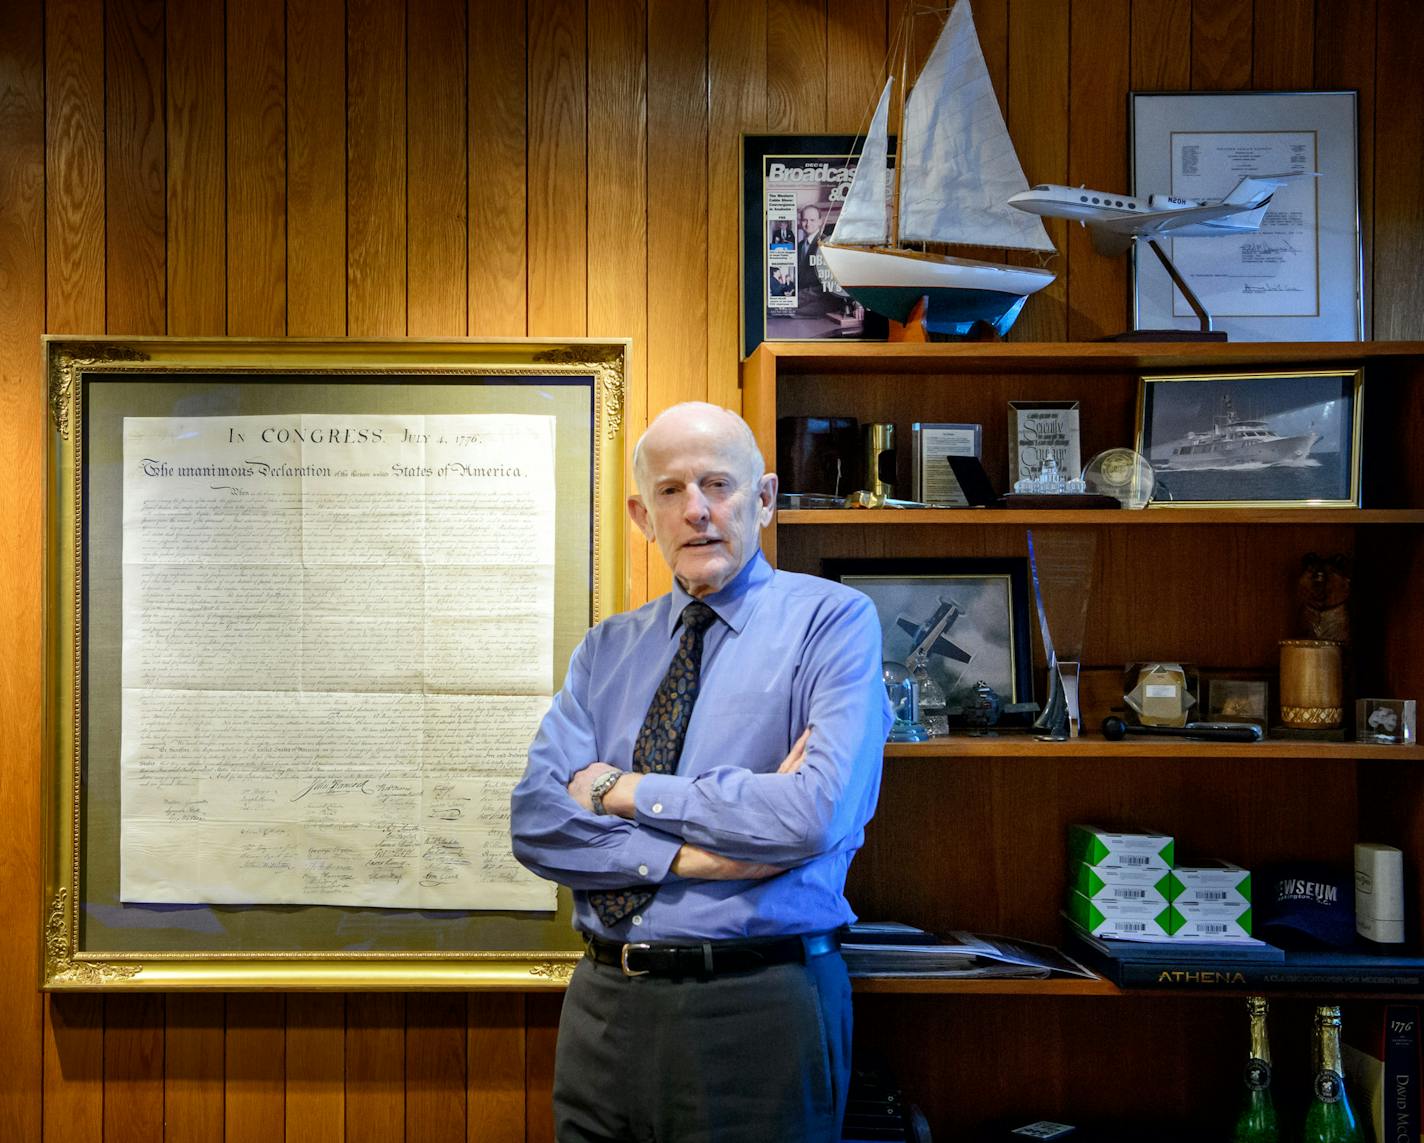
x=1023 y=745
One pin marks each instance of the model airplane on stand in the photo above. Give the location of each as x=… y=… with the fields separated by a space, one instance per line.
x=1116 y=221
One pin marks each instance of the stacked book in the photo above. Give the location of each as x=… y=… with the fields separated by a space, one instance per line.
x=891 y=949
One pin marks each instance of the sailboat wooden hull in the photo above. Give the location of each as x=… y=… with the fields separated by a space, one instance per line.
x=961 y=291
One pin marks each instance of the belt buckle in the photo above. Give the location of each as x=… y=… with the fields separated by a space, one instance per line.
x=635 y=946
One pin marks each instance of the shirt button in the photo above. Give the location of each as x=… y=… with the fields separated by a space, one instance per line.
x=657 y=807
x=637 y=918
x=642 y=871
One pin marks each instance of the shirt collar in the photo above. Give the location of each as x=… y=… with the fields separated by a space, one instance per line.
x=734 y=603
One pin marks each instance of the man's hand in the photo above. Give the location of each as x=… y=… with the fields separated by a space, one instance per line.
x=581 y=784
x=792 y=762
x=618 y=801
x=698 y=864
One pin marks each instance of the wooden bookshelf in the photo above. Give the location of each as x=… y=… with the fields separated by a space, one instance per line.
x=969 y=833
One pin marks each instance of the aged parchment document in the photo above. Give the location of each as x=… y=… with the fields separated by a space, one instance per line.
x=337 y=644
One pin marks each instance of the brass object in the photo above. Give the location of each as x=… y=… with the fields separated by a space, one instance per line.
x=879 y=438
x=1312 y=684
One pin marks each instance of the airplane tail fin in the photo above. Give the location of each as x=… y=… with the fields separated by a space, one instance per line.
x=1256 y=190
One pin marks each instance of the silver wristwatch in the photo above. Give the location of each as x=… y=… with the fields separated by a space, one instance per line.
x=601 y=785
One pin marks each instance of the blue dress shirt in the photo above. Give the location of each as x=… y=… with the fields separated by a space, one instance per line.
x=791 y=651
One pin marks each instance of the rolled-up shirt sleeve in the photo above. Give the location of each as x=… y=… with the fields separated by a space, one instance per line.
x=788 y=819
x=552 y=834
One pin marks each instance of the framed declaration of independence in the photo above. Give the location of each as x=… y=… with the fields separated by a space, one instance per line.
x=306 y=604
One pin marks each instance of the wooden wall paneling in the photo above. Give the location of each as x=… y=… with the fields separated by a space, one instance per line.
x=193 y=1072
x=74 y=161
x=316 y=168
x=1398 y=202
x=677 y=215
x=437 y=55
x=134 y=162
x=991 y=22
x=736 y=105
x=855 y=63
x=256 y=1068
x=796 y=81
x=315 y=1054
x=495 y=1054
x=1099 y=51
x=1161 y=48
x=1038 y=123
x=618 y=215
x=498 y=192
x=376 y=169
x=436 y=1067
x=558 y=168
x=197 y=180
x=375 y=1067
x=257 y=169
x=1344 y=59
x=22 y=440
x=1283 y=45
x=73 y=1103
x=541 y=1034
x=1221 y=45
x=133 y=1068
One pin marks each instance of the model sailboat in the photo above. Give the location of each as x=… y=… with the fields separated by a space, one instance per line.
x=955 y=172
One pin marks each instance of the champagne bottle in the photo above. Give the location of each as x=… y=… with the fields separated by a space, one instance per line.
x=1257 y=1121
x=1330 y=1118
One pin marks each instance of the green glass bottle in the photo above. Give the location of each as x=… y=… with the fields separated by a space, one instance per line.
x=1330 y=1118
x=1257 y=1121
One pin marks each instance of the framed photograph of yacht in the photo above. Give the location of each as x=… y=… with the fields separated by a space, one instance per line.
x=1276 y=440
x=793 y=188
x=1251 y=197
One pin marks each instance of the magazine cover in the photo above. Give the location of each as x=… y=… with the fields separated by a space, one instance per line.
x=793 y=187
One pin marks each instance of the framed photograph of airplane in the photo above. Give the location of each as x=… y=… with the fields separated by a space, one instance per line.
x=968 y=617
x=1276 y=440
x=1251 y=199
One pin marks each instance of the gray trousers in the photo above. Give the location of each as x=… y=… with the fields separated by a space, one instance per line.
x=753 y=1057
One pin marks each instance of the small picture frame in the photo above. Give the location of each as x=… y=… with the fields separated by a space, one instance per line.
x=1267 y=440
x=1235 y=696
x=1387 y=721
x=970 y=615
x=932 y=479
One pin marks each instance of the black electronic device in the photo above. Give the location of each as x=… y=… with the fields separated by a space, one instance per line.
x=1115 y=729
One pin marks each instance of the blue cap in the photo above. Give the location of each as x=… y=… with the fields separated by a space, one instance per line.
x=1305 y=905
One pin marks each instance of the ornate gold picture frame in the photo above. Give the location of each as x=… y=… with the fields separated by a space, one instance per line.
x=99 y=931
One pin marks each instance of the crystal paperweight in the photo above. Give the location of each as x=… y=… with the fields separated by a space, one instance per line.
x=1124 y=475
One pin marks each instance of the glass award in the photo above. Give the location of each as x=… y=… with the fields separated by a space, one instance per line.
x=934 y=705
x=1124 y=475
x=904 y=703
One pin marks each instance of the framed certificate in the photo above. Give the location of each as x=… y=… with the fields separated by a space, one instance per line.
x=307 y=602
x=932 y=481
x=1295 y=278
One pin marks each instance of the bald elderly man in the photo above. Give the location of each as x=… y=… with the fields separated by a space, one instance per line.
x=702 y=782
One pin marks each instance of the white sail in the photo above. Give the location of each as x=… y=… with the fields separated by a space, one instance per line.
x=959 y=162
x=864 y=219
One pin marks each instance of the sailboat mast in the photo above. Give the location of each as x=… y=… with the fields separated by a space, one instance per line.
x=906 y=27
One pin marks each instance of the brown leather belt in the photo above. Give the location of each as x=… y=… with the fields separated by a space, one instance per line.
x=707 y=958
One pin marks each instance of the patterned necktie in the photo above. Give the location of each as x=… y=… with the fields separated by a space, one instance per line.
x=659 y=744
